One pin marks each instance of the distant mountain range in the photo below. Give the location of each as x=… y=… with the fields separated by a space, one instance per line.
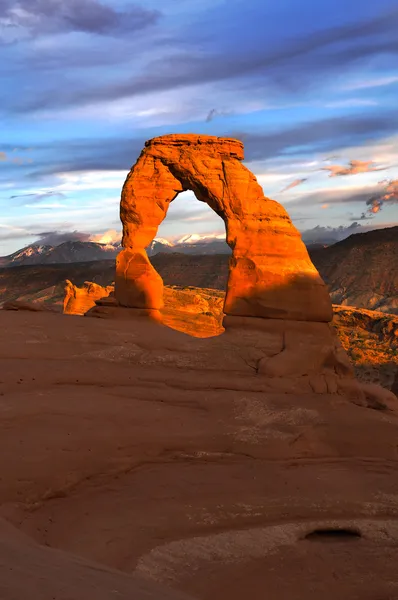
x=361 y=270
x=76 y=251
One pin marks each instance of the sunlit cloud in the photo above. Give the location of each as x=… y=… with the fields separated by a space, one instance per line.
x=355 y=167
x=389 y=194
x=111 y=236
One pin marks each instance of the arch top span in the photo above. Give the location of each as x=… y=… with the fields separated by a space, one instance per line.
x=206 y=144
x=270 y=272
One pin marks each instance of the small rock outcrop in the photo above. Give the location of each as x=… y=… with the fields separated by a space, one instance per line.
x=78 y=301
x=270 y=272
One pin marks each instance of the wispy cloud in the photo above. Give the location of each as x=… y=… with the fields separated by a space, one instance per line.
x=293 y=64
x=337 y=196
x=371 y=83
x=294 y=184
x=34 y=199
x=10 y=232
x=21 y=19
x=214 y=113
x=355 y=167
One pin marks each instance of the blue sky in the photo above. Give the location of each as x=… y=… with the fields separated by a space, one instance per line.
x=305 y=85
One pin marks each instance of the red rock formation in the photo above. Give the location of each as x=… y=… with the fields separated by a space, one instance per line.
x=270 y=272
x=77 y=301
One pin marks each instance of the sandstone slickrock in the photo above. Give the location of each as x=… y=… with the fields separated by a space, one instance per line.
x=30 y=570
x=270 y=272
x=131 y=450
x=293 y=355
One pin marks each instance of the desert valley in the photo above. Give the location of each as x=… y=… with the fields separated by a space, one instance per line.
x=205 y=439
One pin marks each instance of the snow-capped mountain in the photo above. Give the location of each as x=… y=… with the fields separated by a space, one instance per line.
x=68 y=252
x=75 y=251
x=159 y=245
x=196 y=238
x=30 y=254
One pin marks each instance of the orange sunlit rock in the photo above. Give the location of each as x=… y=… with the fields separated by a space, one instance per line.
x=270 y=272
x=77 y=300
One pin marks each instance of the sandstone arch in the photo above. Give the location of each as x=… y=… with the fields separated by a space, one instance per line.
x=270 y=272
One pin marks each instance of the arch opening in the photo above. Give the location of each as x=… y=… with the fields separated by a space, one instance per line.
x=191 y=221
x=194 y=267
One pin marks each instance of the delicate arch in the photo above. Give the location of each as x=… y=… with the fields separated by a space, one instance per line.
x=270 y=272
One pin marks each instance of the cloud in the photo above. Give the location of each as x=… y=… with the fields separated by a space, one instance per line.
x=371 y=83
x=118 y=154
x=9 y=232
x=389 y=194
x=55 y=238
x=111 y=236
x=356 y=166
x=214 y=113
x=294 y=184
x=322 y=135
x=329 y=235
x=335 y=196
x=21 y=19
x=292 y=64
x=36 y=198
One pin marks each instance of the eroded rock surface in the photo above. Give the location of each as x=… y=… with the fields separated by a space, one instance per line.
x=270 y=272
x=162 y=456
x=78 y=301
x=293 y=355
